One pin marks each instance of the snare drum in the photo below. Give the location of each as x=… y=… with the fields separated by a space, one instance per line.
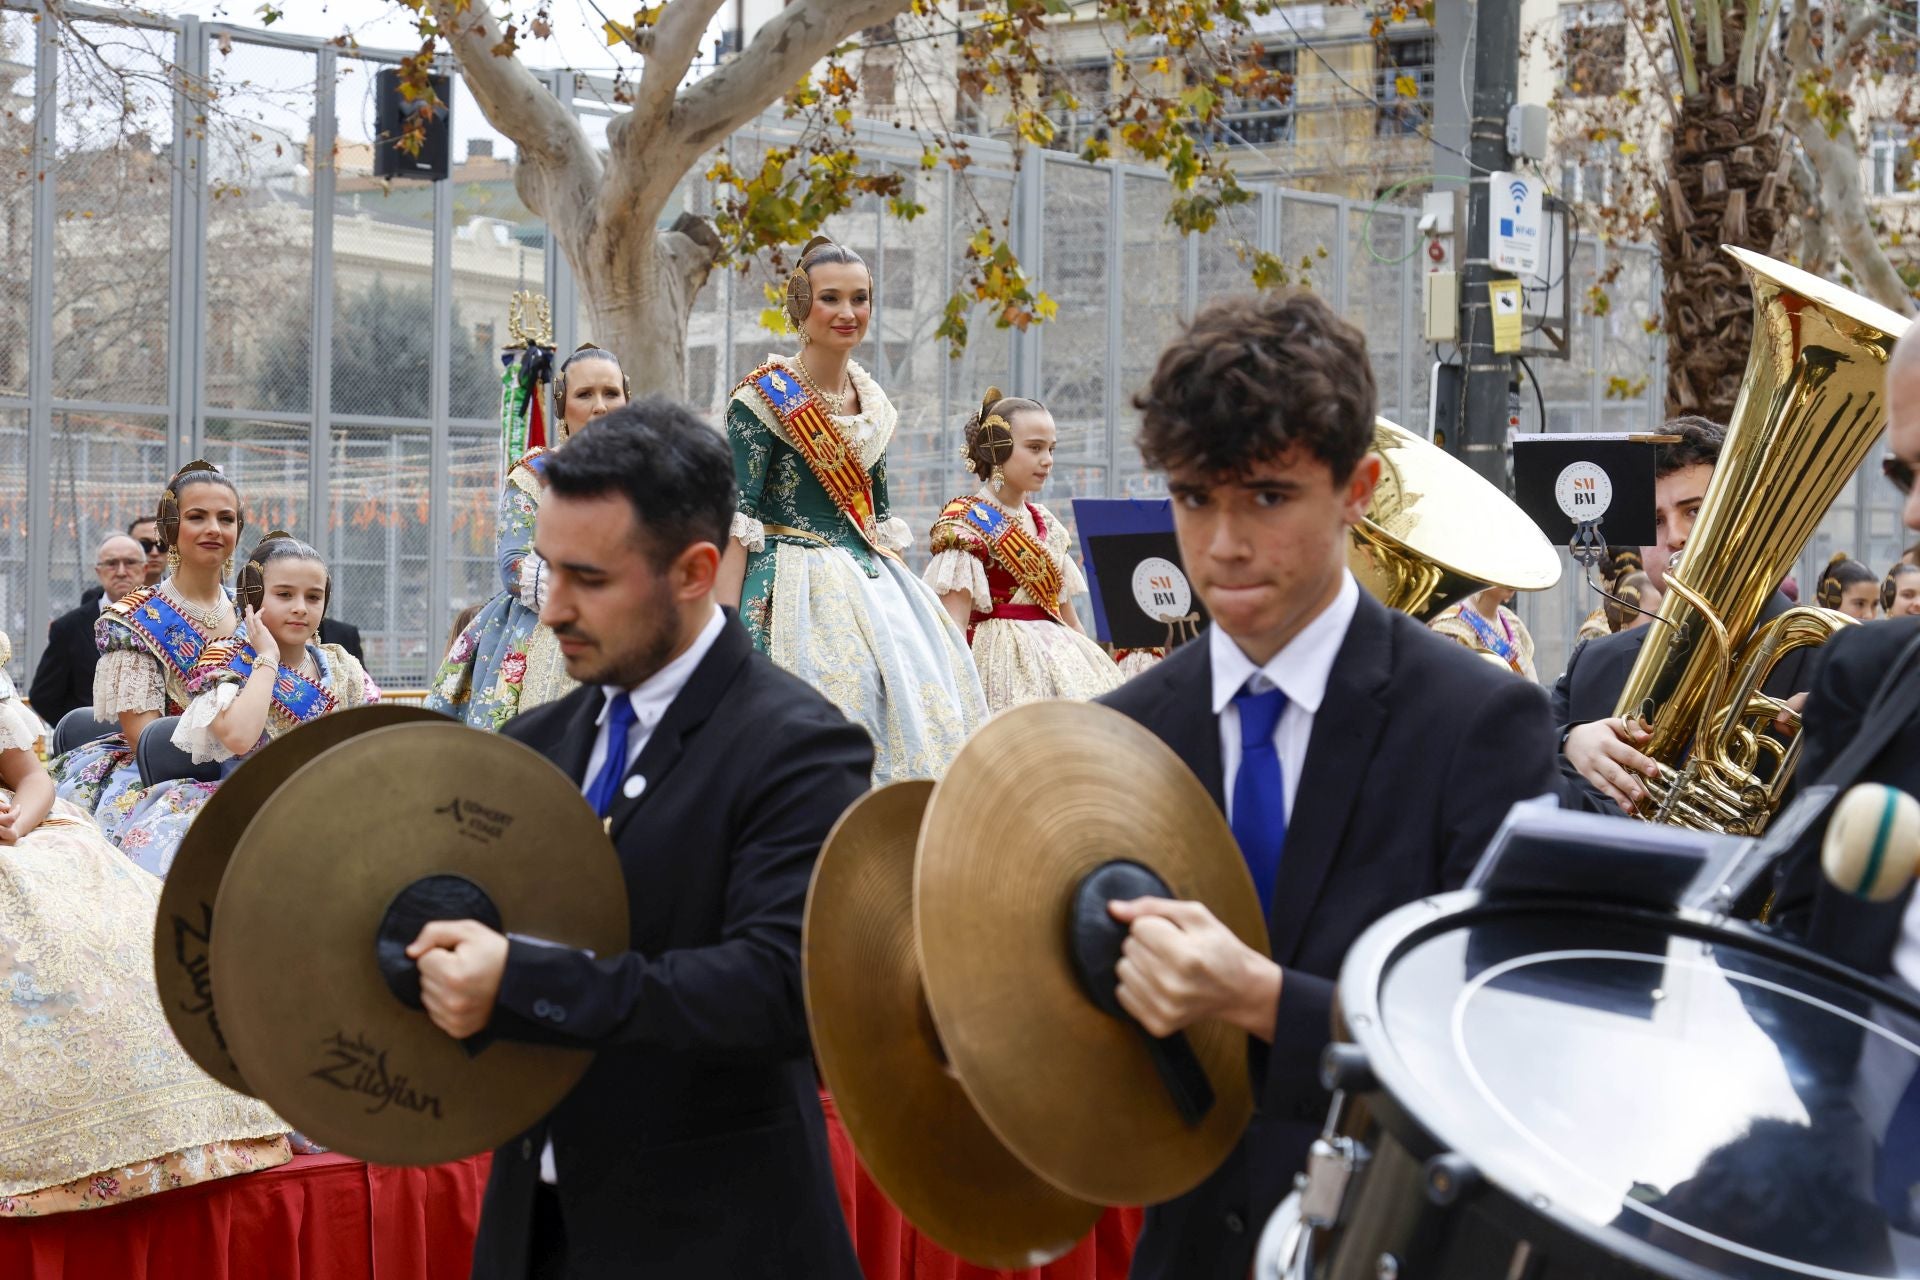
x=1530 y=1090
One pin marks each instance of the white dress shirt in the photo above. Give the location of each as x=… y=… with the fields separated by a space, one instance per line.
x=650 y=698
x=1300 y=671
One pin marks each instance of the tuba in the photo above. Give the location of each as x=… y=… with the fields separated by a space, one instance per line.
x=1810 y=406
x=1436 y=530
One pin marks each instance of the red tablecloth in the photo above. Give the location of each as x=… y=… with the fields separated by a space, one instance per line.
x=891 y=1249
x=313 y=1218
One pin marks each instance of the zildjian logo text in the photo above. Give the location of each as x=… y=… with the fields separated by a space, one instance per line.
x=357 y=1066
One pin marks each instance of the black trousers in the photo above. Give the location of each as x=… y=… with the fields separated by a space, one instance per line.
x=547 y=1248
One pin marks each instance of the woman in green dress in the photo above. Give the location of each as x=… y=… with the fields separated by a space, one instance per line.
x=814 y=563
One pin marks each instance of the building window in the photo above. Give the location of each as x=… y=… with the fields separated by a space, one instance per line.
x=1403 y=85
x=1588 y=180
x=1260 y=121
x=877 y=77
x=1073 y=95
x=1890 y=156
x=1593 y=48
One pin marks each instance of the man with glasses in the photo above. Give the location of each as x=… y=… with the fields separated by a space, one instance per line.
x=64 y=678
x=147 y=533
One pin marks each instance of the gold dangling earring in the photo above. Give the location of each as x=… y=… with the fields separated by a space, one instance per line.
x=173 y=561
x=226 y=567
x=999 y=479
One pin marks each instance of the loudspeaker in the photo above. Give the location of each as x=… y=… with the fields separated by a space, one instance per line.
x=391 y=114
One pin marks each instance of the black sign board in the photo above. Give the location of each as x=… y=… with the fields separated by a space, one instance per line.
x=1564 y=480
x=1141 y=596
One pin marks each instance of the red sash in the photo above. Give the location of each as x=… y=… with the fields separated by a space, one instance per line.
x=823 y=448
x=1016 y=550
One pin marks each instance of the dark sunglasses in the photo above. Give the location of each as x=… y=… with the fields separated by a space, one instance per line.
x=1899 y=473
x=148 y=545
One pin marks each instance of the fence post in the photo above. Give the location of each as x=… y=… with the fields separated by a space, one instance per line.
x=325 y=177
x=439 y=518
x=39 y=558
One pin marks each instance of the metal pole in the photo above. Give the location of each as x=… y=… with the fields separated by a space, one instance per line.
x=189 y=434
x=320 y=425
x=1028 y=206
x=40 y=341
x=1116 y=253
x=1496 y=69
x=439 y=516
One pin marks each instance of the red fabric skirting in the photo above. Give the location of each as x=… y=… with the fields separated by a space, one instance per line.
x=313 y=1218
x=891 y=1249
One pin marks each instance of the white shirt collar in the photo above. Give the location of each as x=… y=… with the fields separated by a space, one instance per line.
x=652 y=696
x=1300 y=670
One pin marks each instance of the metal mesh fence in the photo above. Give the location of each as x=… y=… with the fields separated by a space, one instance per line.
x=224 y=277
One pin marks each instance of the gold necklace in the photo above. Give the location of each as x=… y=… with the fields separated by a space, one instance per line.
x=836 y=404
x=211 y=618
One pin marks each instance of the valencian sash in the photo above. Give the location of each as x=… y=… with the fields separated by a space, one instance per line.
x=1494 y=642
x=167 y=631
x=1016 y=550
x=300 y=698
x=822 y=446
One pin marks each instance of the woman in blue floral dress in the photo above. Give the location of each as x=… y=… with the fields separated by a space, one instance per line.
x=505 y=662
x=151 y=639
x=268 y=678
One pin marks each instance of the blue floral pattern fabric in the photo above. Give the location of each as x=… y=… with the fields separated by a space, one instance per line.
x=151 y=831
x=504 y=662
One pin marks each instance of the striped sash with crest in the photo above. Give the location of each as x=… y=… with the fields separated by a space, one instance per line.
x=1017 y=550
x=825 y=451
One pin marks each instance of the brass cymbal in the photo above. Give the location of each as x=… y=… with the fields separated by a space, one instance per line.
x=1042 y=795
x=307 y=1012
x=912 y=1123
x=185 y=921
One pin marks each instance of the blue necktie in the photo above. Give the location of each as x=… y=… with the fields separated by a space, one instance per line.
x=607 y=782
x=1259 y=791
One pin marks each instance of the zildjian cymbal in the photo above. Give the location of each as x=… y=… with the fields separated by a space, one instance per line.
x=910 y=1120
x=185 y=922
x=1039 y=799
x=352 y=855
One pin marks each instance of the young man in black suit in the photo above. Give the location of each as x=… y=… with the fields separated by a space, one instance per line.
x=1362 y=761
x=63 y=678
x=1600 y=760
x=694 y=1147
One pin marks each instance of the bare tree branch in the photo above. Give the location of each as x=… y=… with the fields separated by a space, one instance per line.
x=558 y=170
x=783 y=50
x=1860 y=23
x=676 y=43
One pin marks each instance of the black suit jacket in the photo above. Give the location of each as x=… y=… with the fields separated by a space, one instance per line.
x=63 y=679
x=344 y=634
x=1417 y=753
x=1597 y=671
x=694 y=1147
x=1845 y=672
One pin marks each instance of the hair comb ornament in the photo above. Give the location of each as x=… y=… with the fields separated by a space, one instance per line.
x=799 y=288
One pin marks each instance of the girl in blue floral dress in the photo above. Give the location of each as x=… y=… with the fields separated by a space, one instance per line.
x=505 y=662
x=268 y=678
x=150 y=640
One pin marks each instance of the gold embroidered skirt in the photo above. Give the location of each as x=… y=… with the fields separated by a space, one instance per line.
x=1025 y=661
x=91 y=1078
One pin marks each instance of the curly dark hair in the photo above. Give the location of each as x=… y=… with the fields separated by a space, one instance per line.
x=1254 y=376
x=990 y=449
x=1700 y=441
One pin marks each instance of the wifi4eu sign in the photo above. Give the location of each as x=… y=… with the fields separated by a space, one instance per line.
x=1515 y=243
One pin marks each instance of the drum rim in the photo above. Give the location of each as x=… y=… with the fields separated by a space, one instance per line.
x=1357 y=1021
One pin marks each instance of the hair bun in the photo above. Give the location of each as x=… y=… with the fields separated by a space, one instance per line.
x=813 y=244
x=1838 y=558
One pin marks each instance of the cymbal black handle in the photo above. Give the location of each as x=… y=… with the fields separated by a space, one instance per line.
x=441 y=897
x=1180 y=1070
x=1094 y=939
x=1450 y=1176
x=1344 y=1069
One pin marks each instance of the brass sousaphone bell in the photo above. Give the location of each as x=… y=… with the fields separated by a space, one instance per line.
x=958 y=961
x=330 y=849
x=1437 y=531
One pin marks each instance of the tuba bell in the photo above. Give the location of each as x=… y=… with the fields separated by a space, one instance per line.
x=1810 y=406
x=1436 y=531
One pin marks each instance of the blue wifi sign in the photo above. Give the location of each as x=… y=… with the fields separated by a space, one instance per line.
x=1517 y=223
